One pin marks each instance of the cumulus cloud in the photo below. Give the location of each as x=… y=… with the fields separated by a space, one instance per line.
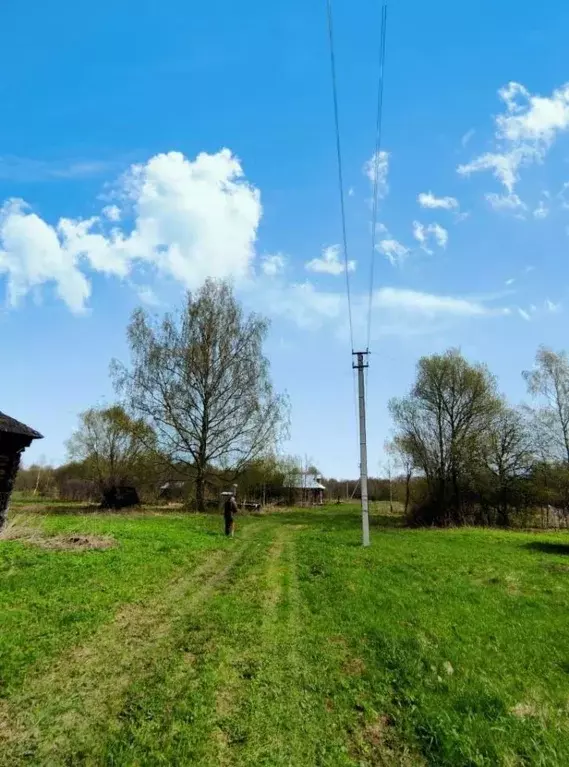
x=273 y=265
x=428 y=200
x=192 y=219
x=31 y=254
x=524 y=132
x=395 y=251
x=330 y=262
x=378 y=166
x=425 y=234
x=112 y=212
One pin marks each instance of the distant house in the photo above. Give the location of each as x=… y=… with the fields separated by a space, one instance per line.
x=174 y=490
x=304 y=488
x=15 y=437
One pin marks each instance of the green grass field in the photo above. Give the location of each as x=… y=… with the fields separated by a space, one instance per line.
x=289 y=645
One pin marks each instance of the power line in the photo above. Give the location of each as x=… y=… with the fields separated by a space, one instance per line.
x=340 y=172
x=377 y=155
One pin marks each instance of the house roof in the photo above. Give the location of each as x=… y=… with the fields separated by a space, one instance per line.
x=11 y=426
x=176 y=484
x=303 y=482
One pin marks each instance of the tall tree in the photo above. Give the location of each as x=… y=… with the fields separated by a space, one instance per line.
x=442 y=424
x=402 y=453
x=549 y=380
x=200 y=379
x=111 y=444
x=508 y=459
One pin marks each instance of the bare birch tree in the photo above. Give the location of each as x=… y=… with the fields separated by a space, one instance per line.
x=549 y=380
x=200 y=379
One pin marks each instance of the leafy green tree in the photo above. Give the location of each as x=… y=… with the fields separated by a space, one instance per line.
x=443 y=423
x=110 y=444
x=508 y=460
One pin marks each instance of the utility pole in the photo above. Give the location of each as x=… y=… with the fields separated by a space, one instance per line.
x=360 y=367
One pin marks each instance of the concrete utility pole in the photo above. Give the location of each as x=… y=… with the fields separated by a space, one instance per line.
x=360 y=367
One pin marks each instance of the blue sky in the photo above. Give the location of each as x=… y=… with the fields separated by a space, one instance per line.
x=115 y=190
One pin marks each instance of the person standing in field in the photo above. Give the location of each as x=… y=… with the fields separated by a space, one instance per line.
x=229 y=511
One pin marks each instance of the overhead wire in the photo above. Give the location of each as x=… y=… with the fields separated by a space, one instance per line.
x=339 y=161
x=377 y=163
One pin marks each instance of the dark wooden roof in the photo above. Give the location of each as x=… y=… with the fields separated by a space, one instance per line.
x=11 y=426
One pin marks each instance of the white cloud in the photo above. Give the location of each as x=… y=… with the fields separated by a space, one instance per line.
x=439 y=233
x=416 y=302
x=526 y=315
x=351 y=192
x=378 y=164
x=112 y=212
x=524 y=132
x=552 y=307
x=397 y=311
x=192 y=220
x=305 y=305
x=510 y=281
x=542 y=211
x=424 y=234
x=273 y=265
x=505 y=202
x=330 y=262
x=395 y=251
x=420 y=234
x=428 y=200
x=31 y=255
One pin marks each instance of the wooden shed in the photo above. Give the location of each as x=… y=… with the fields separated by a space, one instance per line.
x=305 y=489
x=15 y=437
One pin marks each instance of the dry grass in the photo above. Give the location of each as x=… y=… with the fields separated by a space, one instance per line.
x=24 y=529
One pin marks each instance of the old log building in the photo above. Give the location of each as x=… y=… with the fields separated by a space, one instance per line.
x=15 y=437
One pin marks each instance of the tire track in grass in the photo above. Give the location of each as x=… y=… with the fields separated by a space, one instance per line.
x=59 y=712
x=273 y=711
x=235 y=691
x=184 y=714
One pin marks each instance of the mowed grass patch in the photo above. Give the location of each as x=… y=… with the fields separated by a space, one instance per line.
x=290 y=645
x=53 y=599
x=460 y=635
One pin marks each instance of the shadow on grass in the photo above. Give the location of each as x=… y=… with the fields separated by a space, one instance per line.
x=549 y=548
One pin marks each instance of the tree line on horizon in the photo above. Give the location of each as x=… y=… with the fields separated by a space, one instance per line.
x=196 y=407
x=469 y=456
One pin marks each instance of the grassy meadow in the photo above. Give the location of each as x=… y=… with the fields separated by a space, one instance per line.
x=148 y=638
